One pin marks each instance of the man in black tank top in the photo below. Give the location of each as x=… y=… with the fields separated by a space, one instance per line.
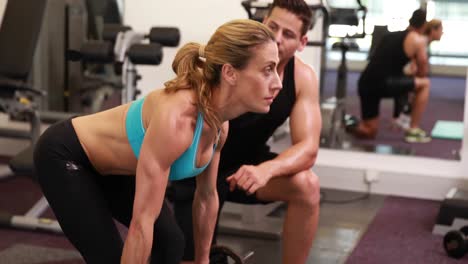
x=384 y=78
x=249 y=172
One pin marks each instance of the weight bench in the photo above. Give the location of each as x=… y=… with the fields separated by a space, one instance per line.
x=13 y=80
x=251 y=220
x=22 y=164
x=18 y=40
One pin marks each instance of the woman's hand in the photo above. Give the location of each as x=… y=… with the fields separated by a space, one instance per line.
x=410 y=68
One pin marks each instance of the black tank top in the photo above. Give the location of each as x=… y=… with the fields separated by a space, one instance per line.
x=249 y=133
x=388 y=59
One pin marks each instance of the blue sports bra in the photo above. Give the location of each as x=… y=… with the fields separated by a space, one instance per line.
x=185 y=165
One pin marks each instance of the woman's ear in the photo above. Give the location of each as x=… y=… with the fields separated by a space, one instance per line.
x=229 y=74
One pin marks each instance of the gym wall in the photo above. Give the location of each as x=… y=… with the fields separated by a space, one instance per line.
x=2 y=9
x=197 y=20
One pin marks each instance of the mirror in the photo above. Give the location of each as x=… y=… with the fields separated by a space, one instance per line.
x=443 y=117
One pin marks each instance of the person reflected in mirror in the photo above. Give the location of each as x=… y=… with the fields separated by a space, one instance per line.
x=431 y=31
x=383 y=77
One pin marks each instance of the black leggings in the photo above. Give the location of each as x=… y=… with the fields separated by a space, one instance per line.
x=86 y=202
x=181 y=193
x=372 y=91
x=401 y=105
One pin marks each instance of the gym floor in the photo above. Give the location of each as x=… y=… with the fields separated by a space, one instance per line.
x=340 y=229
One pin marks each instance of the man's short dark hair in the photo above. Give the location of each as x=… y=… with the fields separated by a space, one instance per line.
x=297 y=7
x=418 y=19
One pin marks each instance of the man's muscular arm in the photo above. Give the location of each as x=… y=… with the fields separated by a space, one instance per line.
x=305 y=126
x=421 y=59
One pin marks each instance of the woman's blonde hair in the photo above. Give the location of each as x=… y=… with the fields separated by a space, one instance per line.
x=198 y=67
x=434 y=24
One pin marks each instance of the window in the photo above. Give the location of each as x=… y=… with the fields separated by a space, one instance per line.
x=380 y=12
x=396 y=13
x=454 y=16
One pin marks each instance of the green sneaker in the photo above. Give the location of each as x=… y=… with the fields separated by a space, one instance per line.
x=416 y=135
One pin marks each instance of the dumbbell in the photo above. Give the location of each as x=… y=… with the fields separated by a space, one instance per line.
x=222 y=255
x=455 y=243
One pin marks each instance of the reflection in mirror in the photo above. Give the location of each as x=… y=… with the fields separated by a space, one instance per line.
x=347 y=57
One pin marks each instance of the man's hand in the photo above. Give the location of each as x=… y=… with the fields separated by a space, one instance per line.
x=249 y=178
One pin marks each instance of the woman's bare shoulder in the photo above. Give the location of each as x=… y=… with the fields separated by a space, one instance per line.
x=176 y=110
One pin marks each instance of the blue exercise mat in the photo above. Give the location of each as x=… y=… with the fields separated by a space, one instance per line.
x=448 y=130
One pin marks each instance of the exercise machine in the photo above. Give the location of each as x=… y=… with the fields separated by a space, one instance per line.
x=67 y=26
x=22 y=164
x=18 y=39
x=124 y=49
x=158 y=36
x=452 y=223
x=453 y=212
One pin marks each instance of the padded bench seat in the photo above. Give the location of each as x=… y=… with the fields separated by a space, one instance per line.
x=23 y=164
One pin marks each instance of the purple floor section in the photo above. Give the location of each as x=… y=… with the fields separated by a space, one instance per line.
x=446 y=103
x=438 y=109
x=17 y=195
x=401 y=232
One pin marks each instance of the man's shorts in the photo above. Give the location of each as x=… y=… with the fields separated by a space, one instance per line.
x=238 y=195
x=371 y=94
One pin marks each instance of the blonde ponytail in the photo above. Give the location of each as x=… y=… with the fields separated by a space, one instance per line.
x=188 y=66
